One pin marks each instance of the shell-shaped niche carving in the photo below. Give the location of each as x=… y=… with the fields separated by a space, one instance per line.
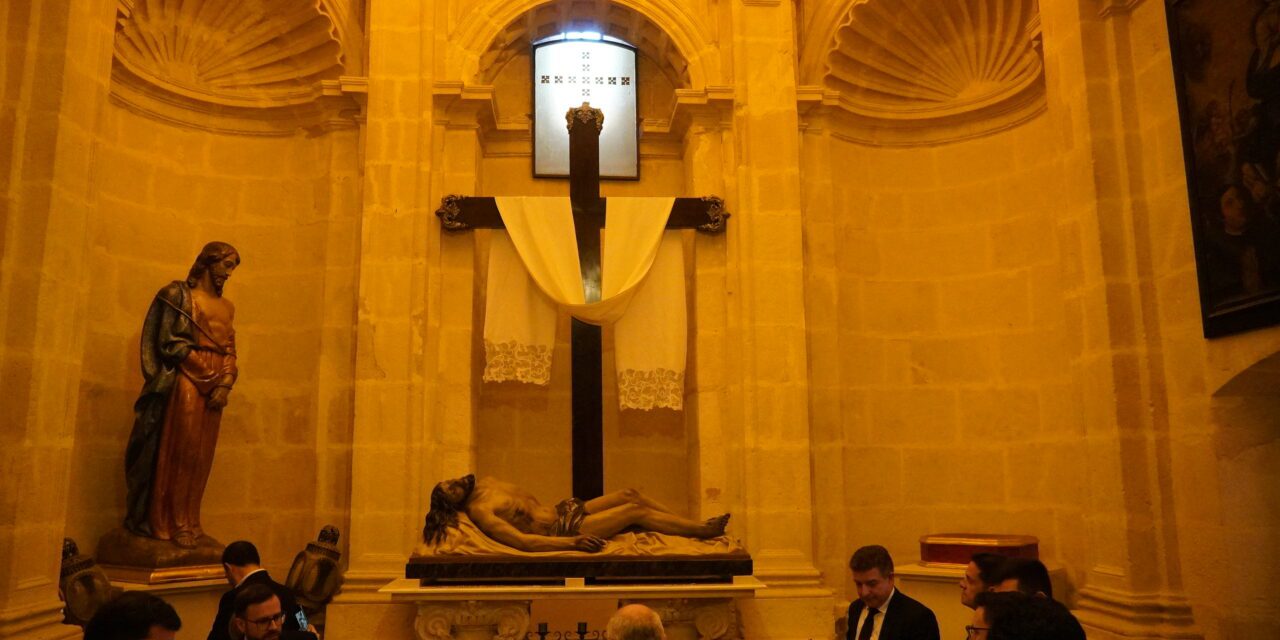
x=930 y=66
x=243 y=53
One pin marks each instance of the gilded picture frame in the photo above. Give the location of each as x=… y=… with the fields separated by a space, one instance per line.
x=1226 y=61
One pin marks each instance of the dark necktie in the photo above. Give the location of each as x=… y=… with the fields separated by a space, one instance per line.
x=868 y=624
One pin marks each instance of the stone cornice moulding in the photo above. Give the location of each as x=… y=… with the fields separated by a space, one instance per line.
x=815 y=104
x=1112 y=8
x=459 y=105
x=709 y=107
x=917 y=72
x=232 y=66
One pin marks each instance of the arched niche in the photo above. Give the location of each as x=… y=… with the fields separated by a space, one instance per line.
x=240 y=68
x=661 y=29
x=1245 y=436
x=522 y=432
x=925 y=72
x=661 y=65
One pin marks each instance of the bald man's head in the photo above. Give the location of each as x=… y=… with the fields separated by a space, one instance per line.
x=635 y=622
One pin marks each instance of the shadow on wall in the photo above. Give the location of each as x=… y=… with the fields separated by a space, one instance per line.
x=1246 y=443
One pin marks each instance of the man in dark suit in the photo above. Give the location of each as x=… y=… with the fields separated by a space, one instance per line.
x=243 y=567
x=881 y=612
x=1031 y=577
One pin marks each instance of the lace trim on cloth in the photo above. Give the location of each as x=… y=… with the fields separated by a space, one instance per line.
x=653 y=389
x=505 y=361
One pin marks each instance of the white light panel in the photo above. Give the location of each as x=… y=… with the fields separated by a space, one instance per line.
x=569 y=72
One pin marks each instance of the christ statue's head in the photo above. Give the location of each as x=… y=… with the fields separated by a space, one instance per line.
x=218 y=259
x=447 y=499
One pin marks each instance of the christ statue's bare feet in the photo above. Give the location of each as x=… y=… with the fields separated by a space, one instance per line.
x=715 y=526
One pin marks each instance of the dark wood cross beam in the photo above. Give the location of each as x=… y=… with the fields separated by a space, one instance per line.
x=458 y=213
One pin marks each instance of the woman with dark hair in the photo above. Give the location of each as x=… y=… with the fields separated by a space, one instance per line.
x=1012 y=615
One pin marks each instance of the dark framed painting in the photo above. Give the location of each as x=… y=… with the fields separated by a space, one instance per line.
x=1226 y=59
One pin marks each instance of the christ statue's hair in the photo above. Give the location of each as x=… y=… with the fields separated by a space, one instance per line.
x=441 y=516
x=211 y=253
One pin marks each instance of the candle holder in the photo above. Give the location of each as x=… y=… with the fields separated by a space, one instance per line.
x=543 y=634
x=583 y=634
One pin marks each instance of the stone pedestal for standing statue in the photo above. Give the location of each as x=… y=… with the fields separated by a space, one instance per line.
x=127 y=557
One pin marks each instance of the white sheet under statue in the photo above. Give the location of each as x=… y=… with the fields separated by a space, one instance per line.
x=533 y=268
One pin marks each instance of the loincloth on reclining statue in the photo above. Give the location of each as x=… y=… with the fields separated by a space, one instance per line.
x=570 y=513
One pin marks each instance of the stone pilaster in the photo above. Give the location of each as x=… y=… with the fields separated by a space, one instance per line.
x=822 y=282
x=1132 y=585
x=58 y=70
x=766 y=320
x=390 y=439
x=414 y=404
x=707 y=149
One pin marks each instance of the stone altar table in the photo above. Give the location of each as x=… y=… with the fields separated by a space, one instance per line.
x=704 y=611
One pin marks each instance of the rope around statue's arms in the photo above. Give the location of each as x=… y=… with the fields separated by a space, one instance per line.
x=216 y=349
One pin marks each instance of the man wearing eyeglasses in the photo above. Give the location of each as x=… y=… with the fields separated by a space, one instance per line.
x=259 y=616
x=243 y=568
x=1030 y=577
x=1012 y=615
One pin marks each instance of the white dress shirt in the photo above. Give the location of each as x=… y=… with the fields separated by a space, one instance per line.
x=877 y=622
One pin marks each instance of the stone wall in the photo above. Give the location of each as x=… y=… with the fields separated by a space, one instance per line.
x=289 y=205
x=998 y=334
x=1077 y=349
x=947 y=400
x=54 y=74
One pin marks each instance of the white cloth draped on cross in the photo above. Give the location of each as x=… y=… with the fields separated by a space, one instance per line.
x=533 y=269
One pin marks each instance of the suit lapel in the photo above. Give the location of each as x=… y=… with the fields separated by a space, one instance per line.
x=855 y=610
x=889 y=628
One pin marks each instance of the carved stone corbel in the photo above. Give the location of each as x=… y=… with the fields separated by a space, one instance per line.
x=472 y=620
x=704 y=619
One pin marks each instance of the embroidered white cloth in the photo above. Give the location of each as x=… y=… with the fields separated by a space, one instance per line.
x=533 y=268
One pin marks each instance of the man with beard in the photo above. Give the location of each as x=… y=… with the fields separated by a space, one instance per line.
x=515 y=518
x=259 y=616
x=243 y=568
x=189 y=365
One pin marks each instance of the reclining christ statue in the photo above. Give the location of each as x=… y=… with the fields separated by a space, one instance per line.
x=512 y=516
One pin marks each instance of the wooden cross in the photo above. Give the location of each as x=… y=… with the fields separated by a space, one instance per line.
x=458 y=213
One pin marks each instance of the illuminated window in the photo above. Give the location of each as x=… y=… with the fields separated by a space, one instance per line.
x=577 y=67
